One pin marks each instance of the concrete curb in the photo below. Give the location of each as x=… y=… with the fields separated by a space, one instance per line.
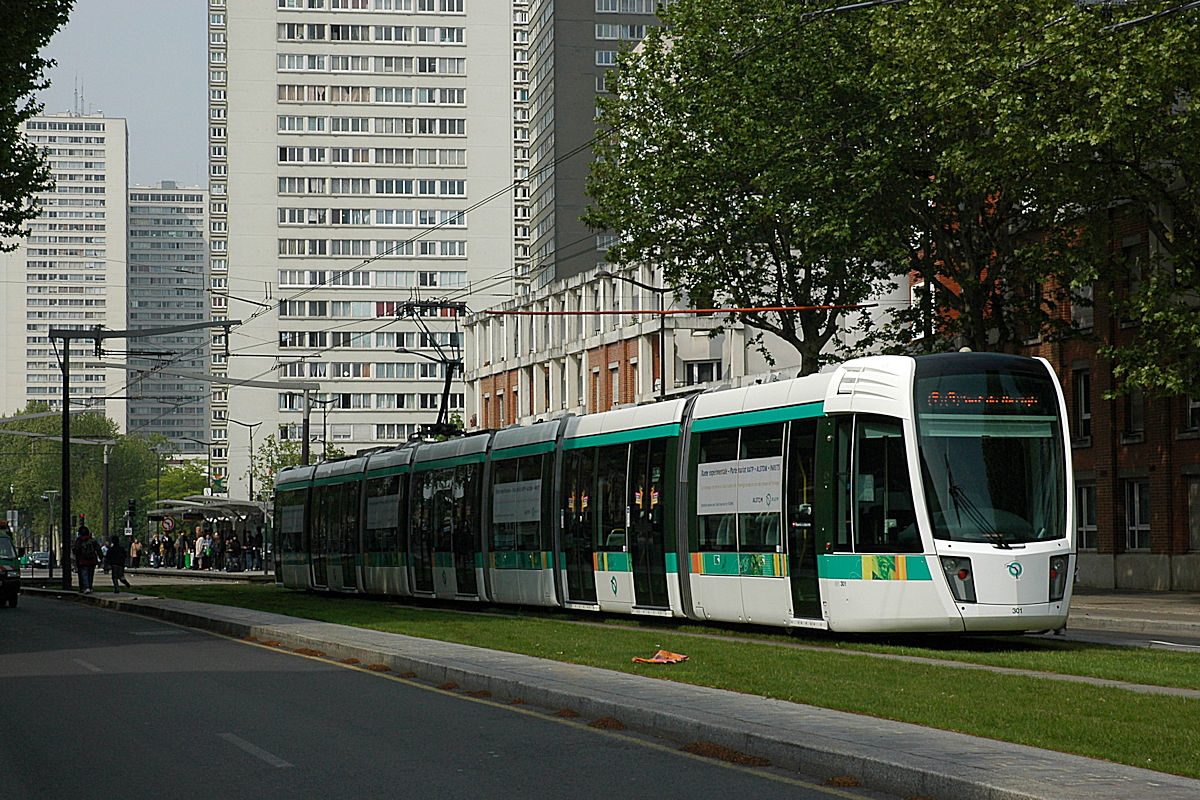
x=891 y=756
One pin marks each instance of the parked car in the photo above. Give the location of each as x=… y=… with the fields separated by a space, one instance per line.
x=40 y=560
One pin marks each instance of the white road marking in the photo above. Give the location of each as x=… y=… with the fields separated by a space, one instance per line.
x=87 y=665
x=158 y=633
x=256 y=751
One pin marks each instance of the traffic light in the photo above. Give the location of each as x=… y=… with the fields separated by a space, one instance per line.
x=132 y=508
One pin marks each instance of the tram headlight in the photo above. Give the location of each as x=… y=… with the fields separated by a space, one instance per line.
x=959 y=576
x=1058 y=576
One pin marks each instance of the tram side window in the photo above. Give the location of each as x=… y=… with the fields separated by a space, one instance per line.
x=611 y=465
x=503 y=535
x=289 y=519
x=760 y=484
x=467 y=501
x=529 y=468
x=381 y=533
x=884 y=518
x=717 y=528
x=577 y=505
x=843 y=439
x=348 y=517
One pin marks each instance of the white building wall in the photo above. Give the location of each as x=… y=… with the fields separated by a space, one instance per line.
x=253 y=164
x=80 y=234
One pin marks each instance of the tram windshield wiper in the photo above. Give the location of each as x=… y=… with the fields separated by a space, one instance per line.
x=964 y=504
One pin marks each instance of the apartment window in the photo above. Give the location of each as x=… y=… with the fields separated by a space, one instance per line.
x=1192 y=414
x=701 y=372
x=1194 y=514
x=1081 y=381
x=1137 y=515
x=1085 y=516
x=1135 y=414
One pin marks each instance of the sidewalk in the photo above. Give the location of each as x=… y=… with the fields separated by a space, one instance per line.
x=1165 y=613
x=891 y=756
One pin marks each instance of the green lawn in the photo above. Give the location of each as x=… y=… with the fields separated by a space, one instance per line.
x=1155 y=731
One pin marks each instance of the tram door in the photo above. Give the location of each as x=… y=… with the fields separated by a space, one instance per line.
x=647 y=541
x=465 y=538
x=422 y=524
x=802 y=544
x=578 y=508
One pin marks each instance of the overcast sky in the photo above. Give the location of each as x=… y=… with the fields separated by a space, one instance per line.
x=144 y=60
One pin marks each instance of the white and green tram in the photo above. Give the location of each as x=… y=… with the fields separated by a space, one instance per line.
x=891 y=493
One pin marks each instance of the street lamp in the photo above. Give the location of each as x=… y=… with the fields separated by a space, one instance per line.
x=208 y=472
x=251 y=426
x=660 y=292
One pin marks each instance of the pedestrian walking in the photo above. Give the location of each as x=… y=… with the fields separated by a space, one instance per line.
x=114 y=557
x=87 y=555
x=135 y=554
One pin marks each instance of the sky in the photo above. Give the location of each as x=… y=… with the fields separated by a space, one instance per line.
x=146 y=61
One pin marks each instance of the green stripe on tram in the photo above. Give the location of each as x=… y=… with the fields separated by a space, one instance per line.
x=336 y=479
x=670 y=429
x=453 y=461
x=523 y=450
x=854 y=567
x=383 y=472
x=745 y=419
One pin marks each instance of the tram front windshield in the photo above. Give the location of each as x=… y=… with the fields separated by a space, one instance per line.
x=992 y=453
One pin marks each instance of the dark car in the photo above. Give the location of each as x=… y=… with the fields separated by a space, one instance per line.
x=40 y=560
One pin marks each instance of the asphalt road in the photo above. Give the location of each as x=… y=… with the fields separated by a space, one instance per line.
x=99 y=704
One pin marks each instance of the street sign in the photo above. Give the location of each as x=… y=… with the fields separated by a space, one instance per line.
x=167 y=524
x=129 y=531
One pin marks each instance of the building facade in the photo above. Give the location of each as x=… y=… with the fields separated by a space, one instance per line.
x=168 y=285
x=572 y=44
x=1136 y=458
x=361 y=173
x=578 y=346
x=70 y=271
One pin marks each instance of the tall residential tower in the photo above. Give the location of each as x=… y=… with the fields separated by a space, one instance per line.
x=70 y=271
x=361 y=173
x=168 y=283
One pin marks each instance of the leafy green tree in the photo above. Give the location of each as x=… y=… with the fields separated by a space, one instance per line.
x=28 y=26
x=178 y=481
x=741 y=164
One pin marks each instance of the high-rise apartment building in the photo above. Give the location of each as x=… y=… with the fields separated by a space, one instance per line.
x=361 y=159
x=572 y=44
x=70 y=271
x=168 y=285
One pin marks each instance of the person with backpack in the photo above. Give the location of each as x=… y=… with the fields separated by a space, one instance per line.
x=87 y=555
x=114 y=557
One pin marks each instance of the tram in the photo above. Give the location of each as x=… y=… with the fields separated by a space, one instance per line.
x=890 y=494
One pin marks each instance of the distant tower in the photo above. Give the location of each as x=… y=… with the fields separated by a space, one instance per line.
x=70 y=271
x=168 y=283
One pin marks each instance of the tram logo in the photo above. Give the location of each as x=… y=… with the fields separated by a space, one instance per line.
x=1014 y=569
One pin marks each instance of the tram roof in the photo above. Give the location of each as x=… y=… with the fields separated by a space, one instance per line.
x=648 y=417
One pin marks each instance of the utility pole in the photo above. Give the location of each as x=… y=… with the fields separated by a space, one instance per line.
x=97 y=334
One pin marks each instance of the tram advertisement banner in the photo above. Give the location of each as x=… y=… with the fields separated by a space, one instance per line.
x=520 y=501
x=744 y=486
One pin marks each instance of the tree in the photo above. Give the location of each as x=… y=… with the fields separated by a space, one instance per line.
x=731 y=161
x=28 y=26
x=1127 y=123
x=33 y=466
x=178 y=481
